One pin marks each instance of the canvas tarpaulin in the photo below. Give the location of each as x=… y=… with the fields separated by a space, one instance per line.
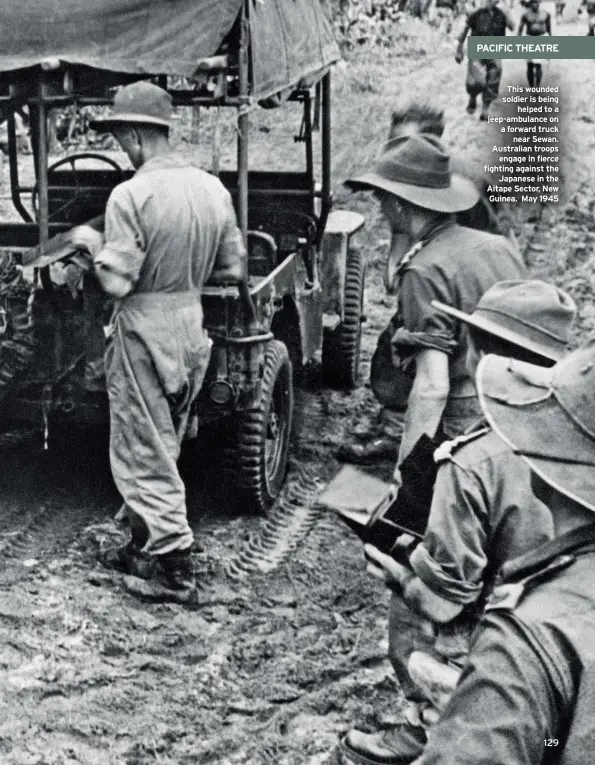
x=132 y=36
x=291 y=39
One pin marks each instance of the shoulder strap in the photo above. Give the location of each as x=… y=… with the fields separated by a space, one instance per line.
x=571 y=542
x=445 y=451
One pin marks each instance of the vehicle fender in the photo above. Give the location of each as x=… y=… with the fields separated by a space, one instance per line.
x=341 y=226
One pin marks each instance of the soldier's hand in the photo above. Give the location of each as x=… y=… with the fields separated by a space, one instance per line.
x=384 y=567
x=86 y=238
x=375 y=570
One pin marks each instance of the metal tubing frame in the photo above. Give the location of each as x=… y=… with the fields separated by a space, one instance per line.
x=326 y=194
x=42 y=166
x=308 y=137
x=13 y=163
x=180 y=98
x=244 y=95
x=243 y=124
x=41 y=154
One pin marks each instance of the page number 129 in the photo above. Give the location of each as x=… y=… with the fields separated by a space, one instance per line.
x=550 y=741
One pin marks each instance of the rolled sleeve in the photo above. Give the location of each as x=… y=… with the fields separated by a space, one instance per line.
x=451 y=560
x=422 y=325
x=124 y=250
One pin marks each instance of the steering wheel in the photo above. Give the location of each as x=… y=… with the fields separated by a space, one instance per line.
x=72 y=160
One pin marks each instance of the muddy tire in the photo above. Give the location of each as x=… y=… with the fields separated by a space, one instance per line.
x=341 y=346
x=263 y=433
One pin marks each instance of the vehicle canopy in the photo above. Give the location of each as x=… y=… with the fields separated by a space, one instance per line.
x=291 y=41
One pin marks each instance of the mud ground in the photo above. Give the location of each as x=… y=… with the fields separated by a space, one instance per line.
x=290 y=648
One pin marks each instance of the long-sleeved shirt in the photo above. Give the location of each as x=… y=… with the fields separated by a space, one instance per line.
x=168 y=226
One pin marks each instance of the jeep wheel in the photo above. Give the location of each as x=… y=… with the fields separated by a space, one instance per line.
x=341 y=346
x=263 y=432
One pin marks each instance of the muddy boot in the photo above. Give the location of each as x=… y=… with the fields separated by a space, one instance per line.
x=484 y=112
x=399 y=746
x=472 y=105
x=128 y=559
x=174 y=582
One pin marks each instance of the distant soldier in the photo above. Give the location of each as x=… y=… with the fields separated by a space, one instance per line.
x=442 y=13
x=589 y=5
x=23 y=143
x=537 y=22
x=484 y=75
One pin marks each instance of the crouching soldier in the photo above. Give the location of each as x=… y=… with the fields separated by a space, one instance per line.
x=527 y=691
x=483 y=513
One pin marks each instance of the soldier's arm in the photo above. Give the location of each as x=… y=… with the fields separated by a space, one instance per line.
x=427 y=398
x=421 y=599
x=451 y=559
x=117 y=266
x=461 y=41
x=548 y=24
x=463 y=36
x=231 y=261
x=522 y=25
x=508 y=17
x=414 y=592
x=425 y=339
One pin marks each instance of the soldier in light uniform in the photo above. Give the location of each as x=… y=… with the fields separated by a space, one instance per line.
x=442 y=14
x=168 y=229
x=483 y=513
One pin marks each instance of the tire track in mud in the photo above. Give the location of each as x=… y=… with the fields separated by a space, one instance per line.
x=18 y=530
x=39 y=517
x=18 y=543
x=47 y=496
x=296 y=513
